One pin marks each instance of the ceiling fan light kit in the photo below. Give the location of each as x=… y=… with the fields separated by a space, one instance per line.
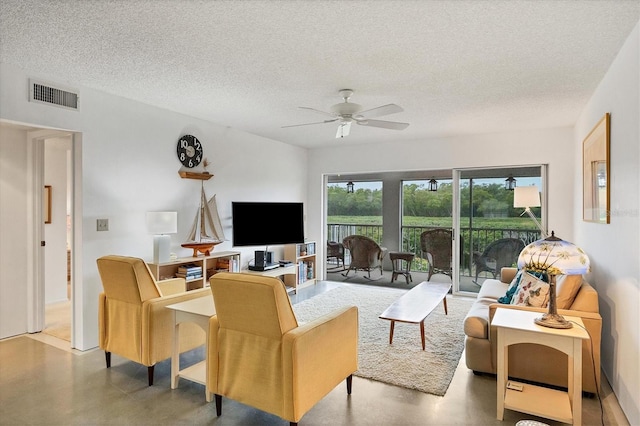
x=345 y=113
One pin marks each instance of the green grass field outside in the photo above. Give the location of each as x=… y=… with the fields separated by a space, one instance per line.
x=479 y=222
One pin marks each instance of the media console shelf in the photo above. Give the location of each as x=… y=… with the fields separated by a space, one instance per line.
x=197 y=270
x=303 y=257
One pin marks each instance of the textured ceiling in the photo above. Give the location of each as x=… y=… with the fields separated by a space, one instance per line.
x=456 y=67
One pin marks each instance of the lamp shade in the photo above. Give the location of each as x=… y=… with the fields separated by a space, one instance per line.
x=162 y=222
x=554 y=256
x=526 y=196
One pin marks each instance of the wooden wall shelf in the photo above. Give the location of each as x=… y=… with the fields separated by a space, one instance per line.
x=193 y=175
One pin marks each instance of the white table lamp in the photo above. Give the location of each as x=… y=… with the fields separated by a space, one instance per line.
x=527 y=197
x=160 y=224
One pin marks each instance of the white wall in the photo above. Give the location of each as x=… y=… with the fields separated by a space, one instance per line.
x=13 y=222
x=129 y=166
x=55 y=233
x=614 y=249
x=551 y=146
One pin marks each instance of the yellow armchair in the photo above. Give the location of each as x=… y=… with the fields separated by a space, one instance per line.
x=259 y=355
x=133 y=320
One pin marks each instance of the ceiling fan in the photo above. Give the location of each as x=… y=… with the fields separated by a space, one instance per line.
x=347 y=112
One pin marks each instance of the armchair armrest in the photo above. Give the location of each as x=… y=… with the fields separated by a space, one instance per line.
x=317 y=356
x=157 y=326
x=172 y=286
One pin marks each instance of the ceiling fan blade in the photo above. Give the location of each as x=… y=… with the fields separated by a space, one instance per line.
x=393 y=125
x=309 y=124
x=343 y=130
x=380 y=111
x=318 y=111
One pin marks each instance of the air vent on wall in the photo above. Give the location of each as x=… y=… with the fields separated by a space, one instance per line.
x=45 y=93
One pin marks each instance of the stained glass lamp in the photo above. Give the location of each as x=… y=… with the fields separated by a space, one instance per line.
x=553 y=256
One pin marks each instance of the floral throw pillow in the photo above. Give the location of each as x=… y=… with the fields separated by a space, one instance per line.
x=513 y=287
x=531 y=292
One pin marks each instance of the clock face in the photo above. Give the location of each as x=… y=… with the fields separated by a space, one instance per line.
x=189 y=151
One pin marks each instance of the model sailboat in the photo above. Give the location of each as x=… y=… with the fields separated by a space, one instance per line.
x=206 y=231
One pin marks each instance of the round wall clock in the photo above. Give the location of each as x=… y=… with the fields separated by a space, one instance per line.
x=189 y=151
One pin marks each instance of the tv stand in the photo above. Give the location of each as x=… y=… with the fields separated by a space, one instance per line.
x=276 y=273
x=303 y=256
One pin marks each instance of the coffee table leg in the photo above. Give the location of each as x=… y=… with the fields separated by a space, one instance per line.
x=422 y=333
x=445 y=305
x=393 y=324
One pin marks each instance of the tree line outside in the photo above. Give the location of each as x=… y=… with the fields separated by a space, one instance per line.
x=491 y=207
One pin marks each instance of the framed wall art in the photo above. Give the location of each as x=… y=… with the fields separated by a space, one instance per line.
x=596 y=173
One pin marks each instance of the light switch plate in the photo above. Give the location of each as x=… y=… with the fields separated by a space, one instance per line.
x=102 y=224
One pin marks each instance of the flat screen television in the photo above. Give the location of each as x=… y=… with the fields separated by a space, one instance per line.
x=267 y=223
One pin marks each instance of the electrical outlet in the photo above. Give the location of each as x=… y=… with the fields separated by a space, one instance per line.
x=102 y=224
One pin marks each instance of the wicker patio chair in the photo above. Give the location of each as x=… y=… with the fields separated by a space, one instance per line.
x=436 y=245
x=366 y=254
x=503 y=252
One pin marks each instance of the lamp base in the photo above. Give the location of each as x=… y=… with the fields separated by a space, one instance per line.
x=553 y=321
x=161 y=248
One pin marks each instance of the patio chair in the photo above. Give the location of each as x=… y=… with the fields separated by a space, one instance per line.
x=436 y=245
x=366 y=254
x=500 y=253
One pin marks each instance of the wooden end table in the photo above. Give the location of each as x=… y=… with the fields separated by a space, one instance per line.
x=517 y=326
x=197 y=311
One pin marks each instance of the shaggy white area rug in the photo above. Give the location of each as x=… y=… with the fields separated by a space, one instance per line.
x=403 y=363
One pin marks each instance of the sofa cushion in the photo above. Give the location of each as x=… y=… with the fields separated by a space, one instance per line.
x=492 y=289
x=532 y=291
x=567 y=286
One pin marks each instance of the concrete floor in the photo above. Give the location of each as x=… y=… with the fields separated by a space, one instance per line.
x=43 y=384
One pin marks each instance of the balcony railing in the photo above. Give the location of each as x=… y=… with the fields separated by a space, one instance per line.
x=474 y=239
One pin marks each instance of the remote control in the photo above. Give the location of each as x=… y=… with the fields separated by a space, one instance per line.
x=514 y=386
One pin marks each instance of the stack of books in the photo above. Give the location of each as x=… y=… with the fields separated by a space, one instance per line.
x=189 y=272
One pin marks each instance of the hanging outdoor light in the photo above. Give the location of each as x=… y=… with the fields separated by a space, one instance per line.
x=350 y=187
x=510 y=183
x=433 y=185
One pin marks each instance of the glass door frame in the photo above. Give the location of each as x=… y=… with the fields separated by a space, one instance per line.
x=457 y=205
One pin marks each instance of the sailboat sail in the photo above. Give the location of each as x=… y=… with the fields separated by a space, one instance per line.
x=207 y=227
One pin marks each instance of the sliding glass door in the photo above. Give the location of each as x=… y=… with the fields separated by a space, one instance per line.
x=491 y=231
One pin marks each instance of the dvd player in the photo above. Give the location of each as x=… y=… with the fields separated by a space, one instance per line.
x=266 y=267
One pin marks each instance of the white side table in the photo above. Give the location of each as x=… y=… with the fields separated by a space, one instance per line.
x=197 y=311
x=517 y=326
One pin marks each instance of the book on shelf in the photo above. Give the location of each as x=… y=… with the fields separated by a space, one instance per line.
x=190 y=276
x=190 y=268
x=233 y=265
x=302 y=272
